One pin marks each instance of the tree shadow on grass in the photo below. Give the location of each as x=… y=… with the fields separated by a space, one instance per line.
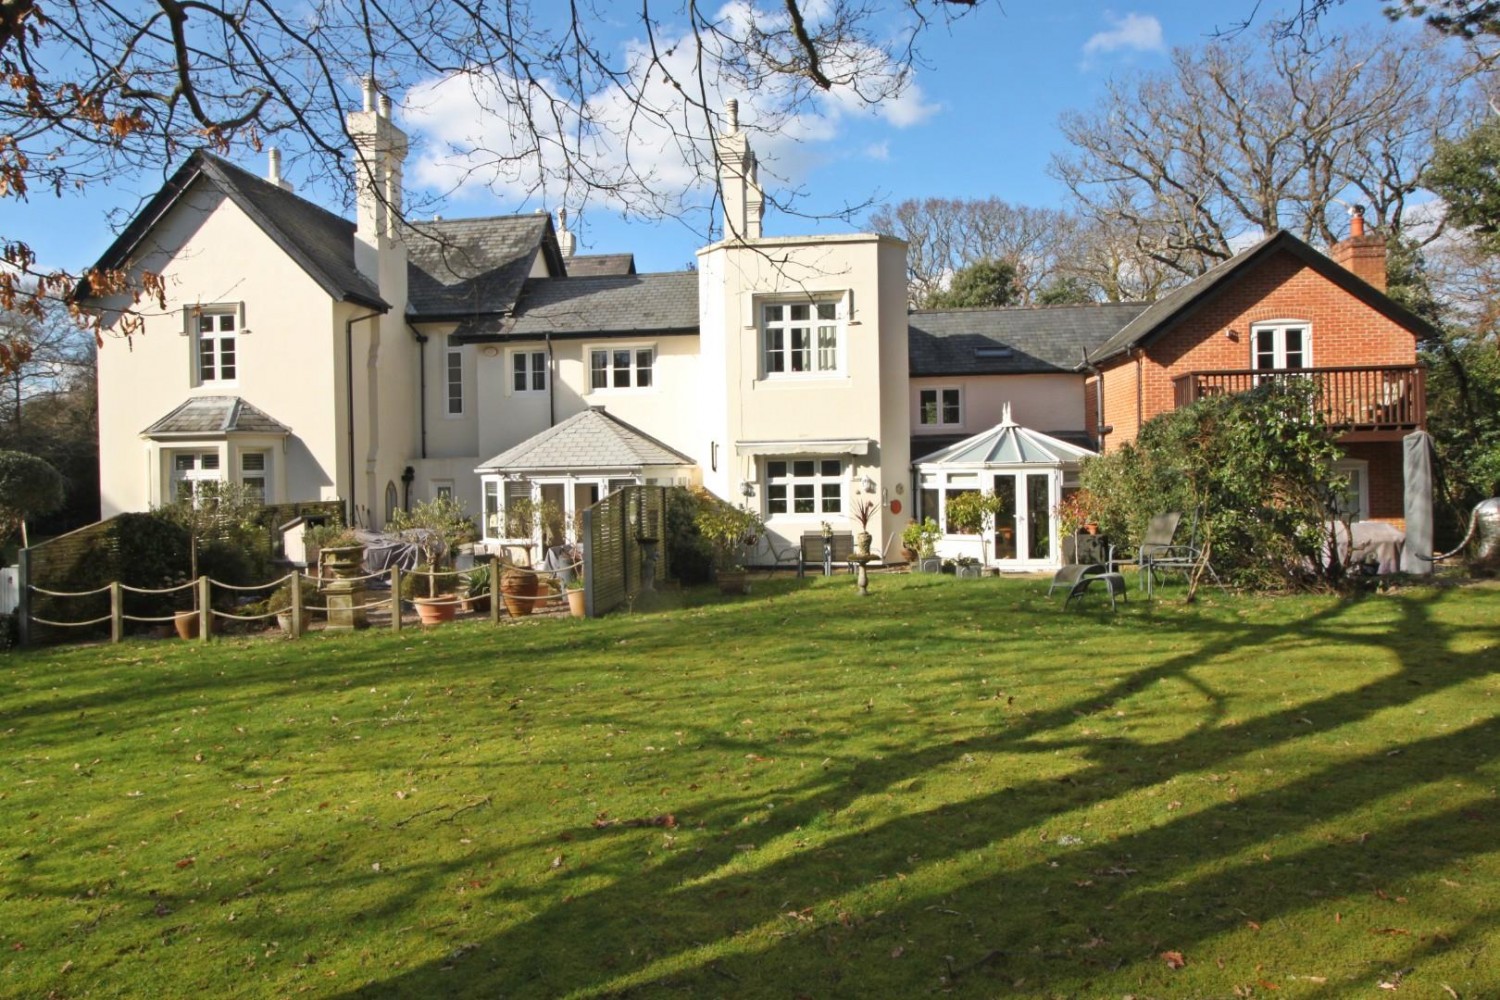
x=715 y=921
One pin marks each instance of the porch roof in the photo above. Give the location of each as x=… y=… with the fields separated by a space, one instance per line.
x=589 y=440
x=215 y=416
x=1007 y=443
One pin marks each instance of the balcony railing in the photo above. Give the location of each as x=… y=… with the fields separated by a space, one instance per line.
x=1373 y=403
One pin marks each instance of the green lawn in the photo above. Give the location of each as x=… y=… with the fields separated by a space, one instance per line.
x=948 y=788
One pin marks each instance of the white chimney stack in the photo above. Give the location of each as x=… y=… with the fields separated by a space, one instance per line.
x=566 y=241
x=379 y=154
x=273 y=170
x=739 y=185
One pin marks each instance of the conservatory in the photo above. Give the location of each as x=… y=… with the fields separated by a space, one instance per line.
x=1028 y=472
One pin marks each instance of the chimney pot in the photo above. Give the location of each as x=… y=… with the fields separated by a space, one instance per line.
x=1357 y=222
x=367 y=89
x=732 y=111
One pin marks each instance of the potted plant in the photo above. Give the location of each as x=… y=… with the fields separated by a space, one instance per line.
x=966 y=567
x=527 y=519
x=732 y=531
x=475 y=589
x=972 y=512
x=218 y=511
x=339 y=551
x=577 y=600
x=1079 y=511
x=280 y=602
x=862 y=512
x=437 y=527
x=919 y=539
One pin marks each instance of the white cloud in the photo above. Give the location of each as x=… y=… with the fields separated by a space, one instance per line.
x=472 y=134
x=878 y=151
x=1133 y=32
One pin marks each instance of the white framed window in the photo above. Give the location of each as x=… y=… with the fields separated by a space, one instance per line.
x=801 y=339
x=940 y=407
x=812 y=486
x=1280 y=345
x=624 y=367
x=1355 y=501
x=492 y=508
x=255 y=471
x=442 y=489
x=528 y=371
x=190 y=470
x=453 y=381
x=217 y=332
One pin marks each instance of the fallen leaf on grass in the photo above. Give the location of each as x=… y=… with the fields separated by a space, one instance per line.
x=186 y=862
x=1173 y=959
x=897 y=951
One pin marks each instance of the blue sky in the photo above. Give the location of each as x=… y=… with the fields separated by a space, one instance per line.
x=982 y=122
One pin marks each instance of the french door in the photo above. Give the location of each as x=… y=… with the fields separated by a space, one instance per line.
x=1023 y=527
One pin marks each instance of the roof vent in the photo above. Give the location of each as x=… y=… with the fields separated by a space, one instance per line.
x=993 y=352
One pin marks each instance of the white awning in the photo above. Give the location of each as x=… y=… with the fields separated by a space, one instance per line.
x=806 y=446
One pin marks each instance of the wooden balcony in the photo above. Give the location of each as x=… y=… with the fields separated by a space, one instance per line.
x=1381 y=403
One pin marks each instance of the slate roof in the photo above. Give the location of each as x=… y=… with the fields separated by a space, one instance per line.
x=1040 y=339
x=1007 y=443
x=321 y=243
x=208 y=416
x=469 y=267
x=593 y=265
x=589 y=440
x=615 y=304
x=1182 y=302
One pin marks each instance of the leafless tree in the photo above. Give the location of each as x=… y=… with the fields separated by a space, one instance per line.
x=93 y=88
x=1247 y=136
x=946 y=234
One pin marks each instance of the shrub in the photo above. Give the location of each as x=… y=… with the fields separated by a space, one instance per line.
x=689 y=554
x=1256 y=467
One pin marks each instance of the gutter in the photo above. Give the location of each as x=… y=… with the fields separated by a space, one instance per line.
x=349 y=402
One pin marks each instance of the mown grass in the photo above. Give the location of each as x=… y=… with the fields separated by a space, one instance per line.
x=950 y=787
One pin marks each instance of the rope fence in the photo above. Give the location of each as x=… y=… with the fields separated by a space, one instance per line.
x=342 y=600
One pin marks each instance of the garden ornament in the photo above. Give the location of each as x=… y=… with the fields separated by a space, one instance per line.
x=1484 y=532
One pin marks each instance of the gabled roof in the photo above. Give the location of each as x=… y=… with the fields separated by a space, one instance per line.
x=632 y=304
x=1182 y=302
x=1010 y=341
x=475 y=267
x=593 y=265
x=1008 y=443
x=589 y=440
x=212 y=416
x=321 y=243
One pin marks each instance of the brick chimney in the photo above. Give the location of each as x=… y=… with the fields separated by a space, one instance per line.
x=1362 y=253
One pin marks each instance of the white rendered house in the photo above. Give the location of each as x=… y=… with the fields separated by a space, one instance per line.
x=381 y=362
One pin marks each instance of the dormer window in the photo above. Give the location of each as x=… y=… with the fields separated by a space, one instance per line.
x=218 y=342
x=801 y=339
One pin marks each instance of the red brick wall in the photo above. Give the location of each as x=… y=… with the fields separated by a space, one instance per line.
x=1343 y=331
x=1387 y=482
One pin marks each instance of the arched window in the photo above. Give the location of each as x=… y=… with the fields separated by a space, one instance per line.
x=391 y=501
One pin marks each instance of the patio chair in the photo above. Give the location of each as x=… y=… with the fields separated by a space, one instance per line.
x=841 y=544
x=1159 y=554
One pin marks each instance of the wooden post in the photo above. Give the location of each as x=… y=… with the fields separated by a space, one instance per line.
x=588 y=563
x=205 y=612
x=116 y=612
x=23 y=596
x=395 y=598
x=297 y=611
x=494 y=589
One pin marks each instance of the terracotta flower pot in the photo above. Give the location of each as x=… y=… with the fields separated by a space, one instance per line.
x=436 y=610
x=186 y=623
x=577 y=603
x=517 y=588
